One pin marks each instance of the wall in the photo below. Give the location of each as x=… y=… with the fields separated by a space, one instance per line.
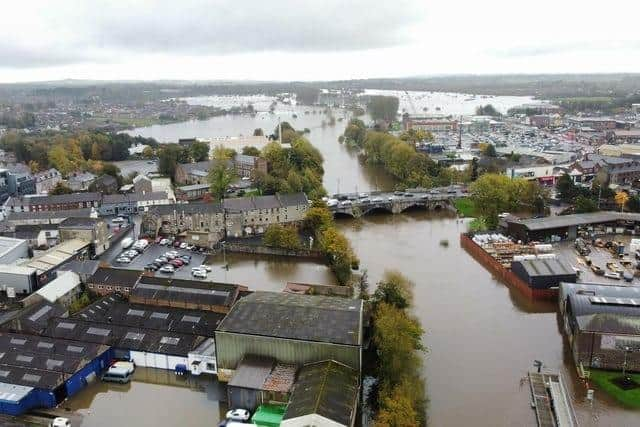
x=89 y=373
x=20 y=251
x=231 y=348
x=156 y=360
x=588 y=350
x=265 y=250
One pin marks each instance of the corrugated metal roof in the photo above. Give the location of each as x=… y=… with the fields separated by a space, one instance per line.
x=546 y=267
x=60 y=286
x=562 y=221
x=13 y=393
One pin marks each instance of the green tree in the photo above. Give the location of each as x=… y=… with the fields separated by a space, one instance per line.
x=355 y=132
x=220 y=177
x=60 y=188
x=394 y=289
x=383 y=108
x=585 y=205
x=487 y=110
x=317 y=218
x=199 y=151
x=147 y=152
x=168 y=159
x=490 y=151
x=567 y=190
x=279 y=236
x=250 y=151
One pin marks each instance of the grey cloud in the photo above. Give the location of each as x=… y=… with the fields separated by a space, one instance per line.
x=20 y=56
x=105 y=30
x=564 y=48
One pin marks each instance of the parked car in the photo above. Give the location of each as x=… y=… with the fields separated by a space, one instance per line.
x=169 y=269
x=176 y=262
x=434 y=191
x=199 y=273
x=169 y=255
x=123 y=260
x=177 y=244
x=151 y=267
x=118 y=220
x=163 y=242
x=60 y=422
x=185 y=261
x=184 y=245
x=204 y=267
x=238 y=415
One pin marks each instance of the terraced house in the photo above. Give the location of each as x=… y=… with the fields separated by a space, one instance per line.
x=204 y=224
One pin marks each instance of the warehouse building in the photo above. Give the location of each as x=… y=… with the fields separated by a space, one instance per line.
x=146 y=347
x=52 y=369
x=12 y=249
x=33 y=319
x=45 y=217
x=185 y=294
x=325 y=394
x=544 y=273
x=47 y=263
x=602 y=325
x=293 y=329
x=18 y=279
x=62 y=290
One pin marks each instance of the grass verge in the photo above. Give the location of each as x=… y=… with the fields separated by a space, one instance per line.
x=465 y=207
x=629 y=398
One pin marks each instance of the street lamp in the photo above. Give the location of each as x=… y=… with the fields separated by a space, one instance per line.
x=624 y=364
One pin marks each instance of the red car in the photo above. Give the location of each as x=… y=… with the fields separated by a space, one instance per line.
x=176 y=262
x=177 y=243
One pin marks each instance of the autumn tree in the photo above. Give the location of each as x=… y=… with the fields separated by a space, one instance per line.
x=280 y=236
x=60 y=188
x=250 y=151
x=621 y=198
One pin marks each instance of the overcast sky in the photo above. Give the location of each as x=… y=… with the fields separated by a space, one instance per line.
x=312 y=39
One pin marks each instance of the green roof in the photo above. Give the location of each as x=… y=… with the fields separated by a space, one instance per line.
x=268 y=415
x=328 y=389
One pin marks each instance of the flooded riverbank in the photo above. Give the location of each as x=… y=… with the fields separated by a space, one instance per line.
x=482 y=337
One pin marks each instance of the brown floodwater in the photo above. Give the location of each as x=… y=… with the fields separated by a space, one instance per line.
x=481 y=336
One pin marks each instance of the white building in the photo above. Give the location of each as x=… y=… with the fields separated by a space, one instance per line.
x=62 y=290
x=12 y=250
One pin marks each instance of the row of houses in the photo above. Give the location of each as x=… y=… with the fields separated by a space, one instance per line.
x=105 y=204
x=204 y=224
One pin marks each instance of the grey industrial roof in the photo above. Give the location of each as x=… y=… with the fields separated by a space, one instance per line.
x=186 y=208
x=328 y=389
x=87 y=266
x=604 y=309
x=8 y=244
x=191 y=291
x=49 y=346
x=265 y=202
x=21 y=216
x=252 y=372
x=133 y=197
x=79 y=222
x=561 y=221
x=193 y=187
x=35 y=318
x=13 y=393
x=114 y=277
x=54 y=200
x=546 y=267
x=30 y=377
x=115 y=310
x=125 y=337
x=301 y=317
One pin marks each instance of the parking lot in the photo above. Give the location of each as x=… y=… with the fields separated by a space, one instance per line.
x=154 y=251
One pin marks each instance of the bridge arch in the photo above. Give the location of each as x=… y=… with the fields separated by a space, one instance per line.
x=377 y=209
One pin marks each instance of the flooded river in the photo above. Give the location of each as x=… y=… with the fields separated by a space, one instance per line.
x=482 y=337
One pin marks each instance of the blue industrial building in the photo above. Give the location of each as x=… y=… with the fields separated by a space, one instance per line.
x=38 y=372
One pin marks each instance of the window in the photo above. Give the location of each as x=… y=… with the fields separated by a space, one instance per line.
x=75 y=349
x=134 y=336
x=133 y=312
x=52 y=363
x=156 y=315
x=169 y=340
x=210 y=366
x=25 y=359
x=192 y=319
x=66 y=325
x=43 y=344
x=31 y=378
x=99 y=331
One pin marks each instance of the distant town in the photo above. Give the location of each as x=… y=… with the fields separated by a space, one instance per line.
x=291 y=274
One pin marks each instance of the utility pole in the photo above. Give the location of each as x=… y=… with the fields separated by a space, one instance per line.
x=460 y=133
x=279 y=131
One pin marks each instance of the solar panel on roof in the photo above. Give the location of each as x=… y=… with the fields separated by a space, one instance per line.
x=135 y=336
x=41 y=312
x=169 y=340
x=98 y=331
x=31 y=378
x=66 y=325
x=75 y=349
x=43 y=344
x=133 y=312
x=23 y=358
x=156 y=315
x=192 y=319
x=18 y=341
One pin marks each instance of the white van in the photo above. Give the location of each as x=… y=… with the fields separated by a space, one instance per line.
x=126 y=242
x=117 y=375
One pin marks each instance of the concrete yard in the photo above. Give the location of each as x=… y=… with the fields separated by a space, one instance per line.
x=599 y=257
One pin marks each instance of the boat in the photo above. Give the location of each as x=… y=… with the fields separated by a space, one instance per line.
x=597 y=270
